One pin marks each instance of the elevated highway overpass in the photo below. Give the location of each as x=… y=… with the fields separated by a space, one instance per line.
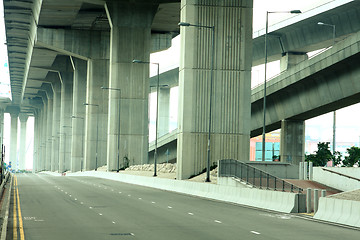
x=62 y=53
x=324 y=83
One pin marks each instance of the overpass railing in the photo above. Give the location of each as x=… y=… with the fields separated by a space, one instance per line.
x=253 y=176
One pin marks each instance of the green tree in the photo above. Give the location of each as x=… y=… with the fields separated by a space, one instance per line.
x=353 y=157
x=321 y=156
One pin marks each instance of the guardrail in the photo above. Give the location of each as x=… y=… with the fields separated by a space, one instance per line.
x=253 y=176
x=341 y=174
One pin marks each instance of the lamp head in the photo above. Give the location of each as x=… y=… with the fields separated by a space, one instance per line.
x=295 y=11
x=184 y=24
x=137 y=61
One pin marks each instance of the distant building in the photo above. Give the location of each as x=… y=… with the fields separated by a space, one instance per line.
x=272 y=147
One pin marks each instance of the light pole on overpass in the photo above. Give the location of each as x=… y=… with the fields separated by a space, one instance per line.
x=334 y=115
x=157 y=108
x=264 y=103
x=212 y=28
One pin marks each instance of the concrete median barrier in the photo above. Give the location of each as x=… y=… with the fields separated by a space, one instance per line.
x=272 y=200
x=339 y=211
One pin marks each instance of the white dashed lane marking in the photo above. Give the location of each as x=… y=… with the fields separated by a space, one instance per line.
x=190 y=213
x=217 y=221
x=257 y=233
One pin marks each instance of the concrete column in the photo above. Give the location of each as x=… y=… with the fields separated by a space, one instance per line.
x=1 y=127
x=164 y=111
x=96 y=113
x=291 y=59
x=56 y=124
x=43 y=132
x=14 y=113
x=66 y=72
x=49 y=125
x=292 y=141
x=130 y=39
x=36 y=141
x=231 y=103
x=78 y=115
x=22 y=149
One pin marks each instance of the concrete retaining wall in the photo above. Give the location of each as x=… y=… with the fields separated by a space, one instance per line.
x=277 y=169
x=272 y=200
x=339 y=211
x=336 y=181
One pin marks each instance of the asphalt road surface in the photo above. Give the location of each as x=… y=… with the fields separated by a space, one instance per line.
x=51 y=208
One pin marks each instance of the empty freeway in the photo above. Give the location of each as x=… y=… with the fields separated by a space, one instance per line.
x=54 y=207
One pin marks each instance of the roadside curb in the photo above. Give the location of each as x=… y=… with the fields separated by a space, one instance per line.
x=6 y=209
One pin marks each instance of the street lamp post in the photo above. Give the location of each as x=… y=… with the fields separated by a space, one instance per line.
x=334 y=115
x=212 y=28
x=157 y=109
x=82 y=140
x=118 y=139
x=97 y=133
x=264 y=102
x=65 y=146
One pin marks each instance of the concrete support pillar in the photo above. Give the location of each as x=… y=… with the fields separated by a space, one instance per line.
x=292 y=141
x=164 y=111
x=1 y=127
x=291 y=59
x=36 y=141
x=49 y=123
x=130 y=39
x=230 y=96
x=56 y=124
x=43 y=160
x=66 y=72
x=14 y=113
x=96 y=113
x=78 y=115
x=22 y=148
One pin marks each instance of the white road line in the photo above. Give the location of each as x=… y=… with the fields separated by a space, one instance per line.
x=257 y=233
x=129 y=195
x=120 y=192
x=90 y=207
x=100 y=214
x=217 y=221
x=81 y=203
x=169 y=207
x=75 y=199
x=190 y=213
x=113 y=222
x=140 y=198
x=153 y=202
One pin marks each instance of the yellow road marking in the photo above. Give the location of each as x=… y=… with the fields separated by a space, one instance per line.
x=17 y=210
x=14 y=213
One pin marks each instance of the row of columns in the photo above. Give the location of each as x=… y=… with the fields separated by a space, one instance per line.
x=71 y=136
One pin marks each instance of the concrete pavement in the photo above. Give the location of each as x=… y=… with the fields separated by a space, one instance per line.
x=92 y=208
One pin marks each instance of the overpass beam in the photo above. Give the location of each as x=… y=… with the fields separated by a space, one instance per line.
x=22 y=148
x=130 y=39
x=230 y=118
x=78 y=115
x=291 y=59
x=292 y=142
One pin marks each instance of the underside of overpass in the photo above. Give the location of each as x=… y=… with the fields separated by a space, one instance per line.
x=62 y=52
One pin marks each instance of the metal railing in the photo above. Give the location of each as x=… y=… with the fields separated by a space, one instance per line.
x=341 y=174
x=254 y=177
